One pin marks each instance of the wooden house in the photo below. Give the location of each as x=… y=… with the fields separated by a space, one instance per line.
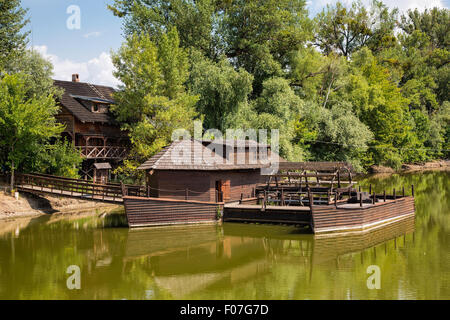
x=89 y=124
x=215 y=171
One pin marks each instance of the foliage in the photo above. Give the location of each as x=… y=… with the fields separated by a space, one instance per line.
x=38 y=71
x=152 y=101
x=12 y=40
x=58 y=158
x=26 y=124
x=220 y=87
x=346 y=30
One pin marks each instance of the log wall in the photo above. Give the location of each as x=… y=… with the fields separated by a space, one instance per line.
x=156 y=211
x=330 y=219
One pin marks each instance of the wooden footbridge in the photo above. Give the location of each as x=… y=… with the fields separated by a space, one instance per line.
x=75 y=188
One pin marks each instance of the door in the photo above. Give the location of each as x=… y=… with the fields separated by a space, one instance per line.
x=226 y=190
x=223 y=190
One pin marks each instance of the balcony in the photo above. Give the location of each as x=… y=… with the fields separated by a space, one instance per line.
x=102 y=152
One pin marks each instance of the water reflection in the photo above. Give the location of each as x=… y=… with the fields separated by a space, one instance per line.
x=233 y=261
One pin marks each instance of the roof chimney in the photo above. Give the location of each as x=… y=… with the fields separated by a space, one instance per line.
x=75 y=77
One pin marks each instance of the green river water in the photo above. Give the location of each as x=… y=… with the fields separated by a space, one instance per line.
x=232 y=261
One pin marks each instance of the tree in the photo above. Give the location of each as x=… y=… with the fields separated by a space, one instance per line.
x=154 y=18
x=334 y=134
x=38 y=71
x=12 y=40
x=220 y=87
x=433 y=23
x=260 y=35
x=58 y=158
x=25 y=123
x=152 y=101
x=346 y=30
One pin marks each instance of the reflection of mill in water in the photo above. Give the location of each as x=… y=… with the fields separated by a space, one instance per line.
x=186 y=260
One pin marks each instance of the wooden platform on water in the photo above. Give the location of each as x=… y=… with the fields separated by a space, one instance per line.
x=340 y=218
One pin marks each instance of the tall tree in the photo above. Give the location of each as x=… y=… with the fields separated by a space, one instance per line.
x=195 y=18
x=26 y=124
x=434 y=23
x=259 y=35
x=221 y=88
x=12 y=38
x=346 y=30
x=152 y=101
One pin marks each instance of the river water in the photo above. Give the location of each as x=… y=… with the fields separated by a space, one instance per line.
x=232 y=261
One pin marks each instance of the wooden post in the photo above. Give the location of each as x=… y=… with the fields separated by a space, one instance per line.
x=339 y=179
x=124 y=190
x=412 y=190
x=148 y=191
x=374 y=200
x=311 y=200
x=384 y=195
x=360 y=200
x=394 y=194
x=403 y=191
x=370 y=189
x=263 y=207
x=328 y=196
x=282 y=197
x=335 y=198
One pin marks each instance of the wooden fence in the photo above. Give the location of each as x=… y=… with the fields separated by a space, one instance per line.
x=75 y=187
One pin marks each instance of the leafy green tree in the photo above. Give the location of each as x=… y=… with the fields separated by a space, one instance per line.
x=432 y=22
x=334 y=134
x=220 y=87
x=38 y=71
x=260 y=35
x=379 y=104
x=197 y=19
x=152 y=101
x=277 y=108
x=13 y=40
x=58 y=158
x=26 y=124
x=346 y=30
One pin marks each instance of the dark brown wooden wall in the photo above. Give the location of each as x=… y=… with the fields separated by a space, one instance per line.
x=327 y=217
x=151 y=211
x=203 y=183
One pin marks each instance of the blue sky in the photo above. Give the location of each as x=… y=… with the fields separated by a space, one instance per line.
x=87 y=50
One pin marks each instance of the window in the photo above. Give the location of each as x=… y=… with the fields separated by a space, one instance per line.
x=95 y=107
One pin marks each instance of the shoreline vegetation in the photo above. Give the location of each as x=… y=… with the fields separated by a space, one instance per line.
x=31 y=206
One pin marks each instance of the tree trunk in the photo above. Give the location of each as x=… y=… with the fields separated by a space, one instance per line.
x=12 y=175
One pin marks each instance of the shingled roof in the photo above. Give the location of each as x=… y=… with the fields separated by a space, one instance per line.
x=76 y=91
x=188 y=155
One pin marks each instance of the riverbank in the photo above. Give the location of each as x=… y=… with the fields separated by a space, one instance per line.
x=432 y=165
x=29 y=205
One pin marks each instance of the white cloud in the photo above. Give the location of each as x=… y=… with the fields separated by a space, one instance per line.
x=98 y=70
x=402 y=5
x=94 y=34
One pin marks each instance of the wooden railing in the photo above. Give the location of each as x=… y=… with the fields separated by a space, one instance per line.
x=102 y=152
x=75 y=187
